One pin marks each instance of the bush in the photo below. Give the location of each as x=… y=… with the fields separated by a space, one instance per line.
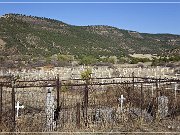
x=155 y=62
x=88 y=60
x=134 y=61
x=67 y=58
x=86 y=74
x=112 y=59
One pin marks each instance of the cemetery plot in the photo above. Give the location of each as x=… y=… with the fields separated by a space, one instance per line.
x=96 y=104
x=97 y=72
x=70 y=99
x=5 y=109
x=28 y=108
x=116 y=103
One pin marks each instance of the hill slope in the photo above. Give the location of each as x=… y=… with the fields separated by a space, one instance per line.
x=43 y=37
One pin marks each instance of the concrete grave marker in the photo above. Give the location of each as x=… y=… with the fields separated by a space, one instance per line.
x=103 y=113
x=163 y=106
x=50 y=109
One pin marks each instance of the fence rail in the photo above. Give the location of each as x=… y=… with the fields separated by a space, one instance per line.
x=144 y=80
x=80 y=103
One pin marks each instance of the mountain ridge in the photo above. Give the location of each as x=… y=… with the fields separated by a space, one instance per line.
x=44 y=37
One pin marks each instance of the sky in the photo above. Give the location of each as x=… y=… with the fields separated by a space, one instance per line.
x=141 y=17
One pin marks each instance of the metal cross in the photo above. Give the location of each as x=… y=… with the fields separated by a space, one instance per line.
x=18 y=107
x=121 y=101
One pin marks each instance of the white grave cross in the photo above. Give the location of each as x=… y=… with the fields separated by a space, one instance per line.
x=18 y=107
x=175 y=90
x=121 y=100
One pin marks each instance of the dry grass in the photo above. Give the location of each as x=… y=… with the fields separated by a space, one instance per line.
x=98 y=98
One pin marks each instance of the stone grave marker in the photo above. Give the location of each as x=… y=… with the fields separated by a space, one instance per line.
x=163 y=106
x=50 y=109
x=106 y=114
x=137 y=112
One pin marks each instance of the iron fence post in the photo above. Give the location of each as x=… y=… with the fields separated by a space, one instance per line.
x=57 y=110
x=78 y=115
x=141 y=99
x=86 y=102
x=133 y=80
x=57 y=88
x=0 y=104
x=157 y=89
x=13 y=105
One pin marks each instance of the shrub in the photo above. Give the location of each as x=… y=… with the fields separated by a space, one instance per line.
x=88 y=60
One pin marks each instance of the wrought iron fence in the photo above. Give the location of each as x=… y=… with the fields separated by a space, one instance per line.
x=99 y=103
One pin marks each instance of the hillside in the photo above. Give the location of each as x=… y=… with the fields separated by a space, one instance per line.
x=29 y=37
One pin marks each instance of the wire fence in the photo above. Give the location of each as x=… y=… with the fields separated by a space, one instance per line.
x=93 y=104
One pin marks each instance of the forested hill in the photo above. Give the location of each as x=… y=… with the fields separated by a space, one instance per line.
x=31 y=36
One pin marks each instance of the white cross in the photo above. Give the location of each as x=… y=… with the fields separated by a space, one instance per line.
x=18 y=107
x=121 y=101
x=155 y=74
x=175 y=90
x=138 y=72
